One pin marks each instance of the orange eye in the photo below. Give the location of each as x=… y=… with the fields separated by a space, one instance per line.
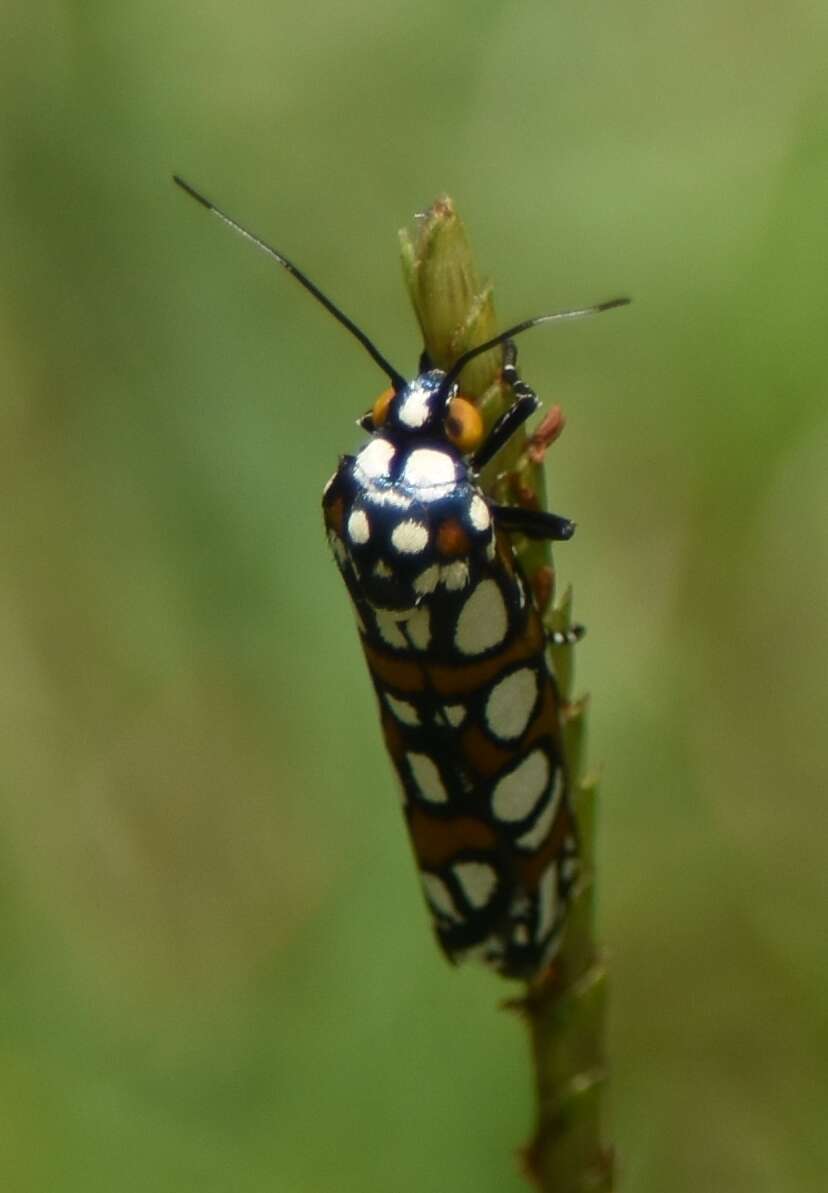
x=379 y=411
x=464 y=426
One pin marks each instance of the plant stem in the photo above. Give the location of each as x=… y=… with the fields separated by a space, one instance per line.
x=565 y=1009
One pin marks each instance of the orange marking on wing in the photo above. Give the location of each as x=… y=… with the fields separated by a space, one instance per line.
x=334 y=514
x=452 y=539
x=482 y=754
x=398 y=674
x=437 y=841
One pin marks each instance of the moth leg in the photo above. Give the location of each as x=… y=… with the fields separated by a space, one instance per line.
x=510 y=374
x=524 y=406
x=505 y=427
x=535 y=524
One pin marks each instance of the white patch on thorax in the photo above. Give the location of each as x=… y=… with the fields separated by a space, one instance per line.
x=375 y=458
x=387 y=495
x=427 y=468
x=483 y=621
x=517 y=793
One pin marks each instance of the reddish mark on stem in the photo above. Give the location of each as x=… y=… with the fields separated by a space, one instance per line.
x=543 y=584
x=548 y=430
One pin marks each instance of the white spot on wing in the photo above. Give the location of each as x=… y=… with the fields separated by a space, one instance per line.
x=359 y=528
x=426 y=468
x=409 y=537
x=419 y=628
x=517 y=793
x=455 y=714
x=426 y=582
x=375 y=458
x=405 y=712
x=389 y=630
x=455 y=575
x=427 y=778
x=482 y=622
x=510 y=704
x=438 y=895
x=477 y=881
x=539 y=831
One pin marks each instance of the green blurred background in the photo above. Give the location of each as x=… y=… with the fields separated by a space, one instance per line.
x=217 y=971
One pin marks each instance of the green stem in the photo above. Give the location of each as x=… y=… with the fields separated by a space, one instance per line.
x=565 y=1011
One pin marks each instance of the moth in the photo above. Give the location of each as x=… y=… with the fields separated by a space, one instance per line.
x=457 y=650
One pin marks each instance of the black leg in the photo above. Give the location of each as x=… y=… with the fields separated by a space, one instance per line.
x=504 y=429
x=535 y=524
x=510 y=374
x=524 y=406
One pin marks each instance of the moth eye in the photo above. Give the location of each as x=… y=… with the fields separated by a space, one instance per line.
x=379 y=411
x=464 y=426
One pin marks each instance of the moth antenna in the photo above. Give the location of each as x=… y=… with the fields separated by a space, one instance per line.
x=578 y=313
x=397 y=380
